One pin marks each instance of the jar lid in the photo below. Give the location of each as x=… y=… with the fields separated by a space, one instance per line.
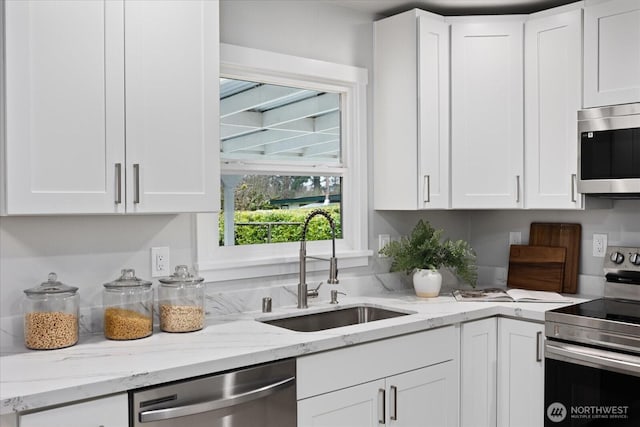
x=128 y=279
x=51 y=286
x=181 y=277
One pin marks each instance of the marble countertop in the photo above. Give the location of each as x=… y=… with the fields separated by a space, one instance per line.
x=97 y=366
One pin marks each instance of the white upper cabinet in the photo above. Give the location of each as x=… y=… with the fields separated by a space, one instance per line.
x=411 y=112
x=612 y=53
x=553 y=95
x=433 y=113
x=64 y=106
x=487 y=112
x=171 y=60
x=67 y=149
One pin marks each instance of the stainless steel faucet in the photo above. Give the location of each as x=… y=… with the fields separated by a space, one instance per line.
x=303 y=292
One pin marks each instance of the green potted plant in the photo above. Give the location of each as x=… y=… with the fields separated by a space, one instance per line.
x=424 y=252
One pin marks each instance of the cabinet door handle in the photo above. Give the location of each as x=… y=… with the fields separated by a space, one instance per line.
x=517 y=188
x=118 y=198
x=573 y=187
x=136 y=183
x=539 y=346
x=427 y=189
x=393 y=403
x=381 y=402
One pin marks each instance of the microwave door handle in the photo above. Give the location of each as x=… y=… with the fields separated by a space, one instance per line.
x=593 y=357
x=213 y=405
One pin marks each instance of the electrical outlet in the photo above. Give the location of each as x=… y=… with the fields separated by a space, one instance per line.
x=599 y=245
x=383 y=240
x=515 y=238
x=160 y=261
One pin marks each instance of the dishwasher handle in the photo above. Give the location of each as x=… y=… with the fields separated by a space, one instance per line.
x=212 y=405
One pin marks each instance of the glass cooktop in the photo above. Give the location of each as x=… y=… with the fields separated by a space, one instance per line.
x=617 y=310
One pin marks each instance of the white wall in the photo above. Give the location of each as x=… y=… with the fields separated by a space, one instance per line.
x=490 y=231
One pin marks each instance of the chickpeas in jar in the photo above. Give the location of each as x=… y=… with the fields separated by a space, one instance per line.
x=128 y=307
x=51 y=315
x=181 y=301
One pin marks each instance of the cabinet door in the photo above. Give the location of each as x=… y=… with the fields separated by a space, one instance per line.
x=612 y=53
x=64 y=107
x=478 y=364
x=487 y=110
x=395 y=123
x=411 y=114
x=425 y=397
x=520 y=373
x=433 y=113
x=553 y=95
x=172 y=106
x=358 y=406
x=106 y=412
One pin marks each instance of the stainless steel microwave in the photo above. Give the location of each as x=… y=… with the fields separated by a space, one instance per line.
x=609 y=151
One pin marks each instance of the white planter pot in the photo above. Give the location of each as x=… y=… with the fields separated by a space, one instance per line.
x=427 y=283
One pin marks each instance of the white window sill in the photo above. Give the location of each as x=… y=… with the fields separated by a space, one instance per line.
x=277 y=265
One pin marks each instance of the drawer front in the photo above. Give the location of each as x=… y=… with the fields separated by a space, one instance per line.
x=332 y=370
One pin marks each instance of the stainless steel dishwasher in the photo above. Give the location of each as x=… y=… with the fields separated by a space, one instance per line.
x=258 y=396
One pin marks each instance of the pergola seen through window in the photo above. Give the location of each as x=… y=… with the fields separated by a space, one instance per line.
x=273 y=138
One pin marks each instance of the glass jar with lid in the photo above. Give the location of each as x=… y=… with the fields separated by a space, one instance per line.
x=128 y=307
x=51 y=315
x=181 y=301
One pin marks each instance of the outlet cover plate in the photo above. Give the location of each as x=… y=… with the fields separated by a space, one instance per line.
x=160 y=261
x=599 y=245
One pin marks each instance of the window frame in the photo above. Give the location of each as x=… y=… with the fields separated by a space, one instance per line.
x=217 y=263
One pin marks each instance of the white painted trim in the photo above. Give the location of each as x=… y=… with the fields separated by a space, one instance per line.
x=227 y=263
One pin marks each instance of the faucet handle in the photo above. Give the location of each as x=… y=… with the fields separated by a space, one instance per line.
x=334 y=296
x=313 y=293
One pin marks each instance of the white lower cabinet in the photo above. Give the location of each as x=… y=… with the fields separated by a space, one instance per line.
x=112 y=411
x=501 y=373
x=478 y=373
x=358 y=406
x=410 y=380
x=520 y=373
x=423 y=397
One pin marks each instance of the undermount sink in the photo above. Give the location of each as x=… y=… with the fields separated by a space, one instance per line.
x=334 y=318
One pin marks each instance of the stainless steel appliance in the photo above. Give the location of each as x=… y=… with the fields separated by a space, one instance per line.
x=609 y=151
x=592 y=352
x=258 y=396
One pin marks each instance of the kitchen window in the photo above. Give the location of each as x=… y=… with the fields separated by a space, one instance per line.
x=293 y=138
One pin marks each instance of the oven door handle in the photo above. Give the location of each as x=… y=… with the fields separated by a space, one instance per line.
x=593 y=357
x=213 y=405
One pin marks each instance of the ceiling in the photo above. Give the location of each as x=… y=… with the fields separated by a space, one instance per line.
x=452 y=7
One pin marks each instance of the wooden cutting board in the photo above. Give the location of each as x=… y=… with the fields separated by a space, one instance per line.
x=539 y=268
x=562 y=235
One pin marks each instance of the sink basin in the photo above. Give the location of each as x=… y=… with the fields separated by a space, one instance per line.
x=334 y=319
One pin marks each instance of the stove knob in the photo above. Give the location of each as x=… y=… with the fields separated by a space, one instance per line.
x=617 y=257
x=635 y=258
